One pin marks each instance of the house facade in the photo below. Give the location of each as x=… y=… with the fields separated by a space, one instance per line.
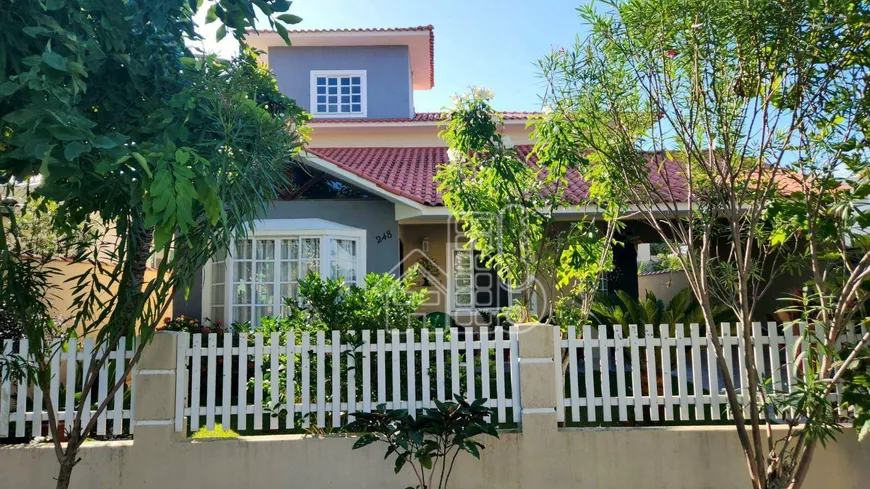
x=366 y=199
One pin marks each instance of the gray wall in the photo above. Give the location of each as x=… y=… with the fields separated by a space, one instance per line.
x=387 y=68
x=377 y=217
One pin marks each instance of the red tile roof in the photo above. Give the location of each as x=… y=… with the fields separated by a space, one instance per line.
x=418 y=28
x=419 y=117
x=410 y=172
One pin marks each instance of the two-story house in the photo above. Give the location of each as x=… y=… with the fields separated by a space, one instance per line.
x=366 y=198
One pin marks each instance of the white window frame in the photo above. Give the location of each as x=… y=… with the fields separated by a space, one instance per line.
x=339 y=73
x=451 y=285
x=272 y=231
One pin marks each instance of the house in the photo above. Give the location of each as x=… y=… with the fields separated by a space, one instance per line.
x=366 y=198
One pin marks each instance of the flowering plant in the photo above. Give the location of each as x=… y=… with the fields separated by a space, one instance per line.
x=189 y=324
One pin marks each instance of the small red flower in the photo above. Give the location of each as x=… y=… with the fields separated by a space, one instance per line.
x=218 y=322
x=250 y=364
x=672 y=53
x=220 y=360
x=167 y=320
x=206 y=330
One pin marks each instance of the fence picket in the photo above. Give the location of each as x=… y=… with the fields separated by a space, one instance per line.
x=697 y=373
x=305 y=410
x=440 y=380
x=741 y=357
x=573 y=373
x=499 y=374
x=211 y=381
x=515 y=373
x=424 y=369
x=102 y=390
x=290 y=391
x=226 y=386
x=118 y=402
x=258 y=381
x=667 y=372
x=274 y=378
x=54 y=383
x=21 y=385
x=395 y=356
x=590 y=372
x=320 y=337
x=382 y=368
x=713 y=373
x=636 y=385
x=242 y=420
x=682 y=383
x=87 y=354
x=651 y=372
x=411 y=373
x=180 y=385
x=36 y=419
x=196 y=363
x=351 y=379
x=5 y=394
x=604 y=359
x=619 y=353
x=727 y=345
x=367 y=371
x=335 y=378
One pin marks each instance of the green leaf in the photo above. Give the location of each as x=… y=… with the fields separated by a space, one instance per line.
x=182 y=156
x=400 y=462
x=426 y=462
x=8 y=88
x=75 y=149
x=20 y=117
x=104 y=142
x=55 y=60
x=211 y=15
x=364 y=441
x=67 y=133
x=143 y=163
x=289 y=18
x=282 y=31
x=162 y=236
x=221 y=33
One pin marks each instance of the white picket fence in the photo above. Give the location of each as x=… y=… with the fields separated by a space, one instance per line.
x=23 y=404
x=605 y=371
x=401 y=369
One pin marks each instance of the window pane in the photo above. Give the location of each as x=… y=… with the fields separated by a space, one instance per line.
x=217 y=314
x=218 y=273
x=265 y=294
x=242 y=294
x=288 y=290
x=310 y=266
x=343 y=249
x=242 y=272
x=311 y=248
x=356 y=108
x=333 y=81
x=463 y=300
x=333 y=90
x=321 y=90
x=289 y=271
x=265 y=249
x=321 y=108
x=263 y=311
x=345 y=108
x=289 y=249
x=265 y=272
x=217 y=295
x=242 y=314
x=321 y=80
x=333 y=99
x=343 y=269
x=355 y=90
x=355 y=80
x=321 y=99
x=345 y=99
x=345 y=81
x=355 y=99
x=243 y=249
x=463 y=284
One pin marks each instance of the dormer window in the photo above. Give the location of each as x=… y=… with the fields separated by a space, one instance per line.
x=338 y=93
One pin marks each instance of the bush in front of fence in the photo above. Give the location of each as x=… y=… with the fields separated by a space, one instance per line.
x=428 y=443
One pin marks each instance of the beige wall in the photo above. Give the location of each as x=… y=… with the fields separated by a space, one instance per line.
x=664 y=285
x=540 y=456
x=395 y=136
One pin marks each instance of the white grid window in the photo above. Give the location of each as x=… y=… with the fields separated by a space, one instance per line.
x=260 y=272
x=336 y=94
x=463 y=279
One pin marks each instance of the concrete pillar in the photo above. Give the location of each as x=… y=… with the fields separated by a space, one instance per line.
x=155 y=392
x=537 y=379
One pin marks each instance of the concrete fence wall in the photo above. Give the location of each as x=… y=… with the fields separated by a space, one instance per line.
x=541 y=455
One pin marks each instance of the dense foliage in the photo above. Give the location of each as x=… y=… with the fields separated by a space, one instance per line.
x=725 y=124
x=429 y=442
x=506 y=203
x=681 y=309
x=155 y=153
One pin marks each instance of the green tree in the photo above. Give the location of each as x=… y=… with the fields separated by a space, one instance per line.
x=724 y=123
x=175 y=152
x=507 y=205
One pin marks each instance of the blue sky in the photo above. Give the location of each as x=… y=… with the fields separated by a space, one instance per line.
x=488 y=43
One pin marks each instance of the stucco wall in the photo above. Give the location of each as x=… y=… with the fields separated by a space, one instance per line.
x=663 y=285
x=387 y=68
x=377 y=217
x=671 y=458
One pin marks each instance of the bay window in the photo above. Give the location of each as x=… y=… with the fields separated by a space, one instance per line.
x=252 y=280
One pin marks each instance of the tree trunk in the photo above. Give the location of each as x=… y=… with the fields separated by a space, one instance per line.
x=64 y=475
